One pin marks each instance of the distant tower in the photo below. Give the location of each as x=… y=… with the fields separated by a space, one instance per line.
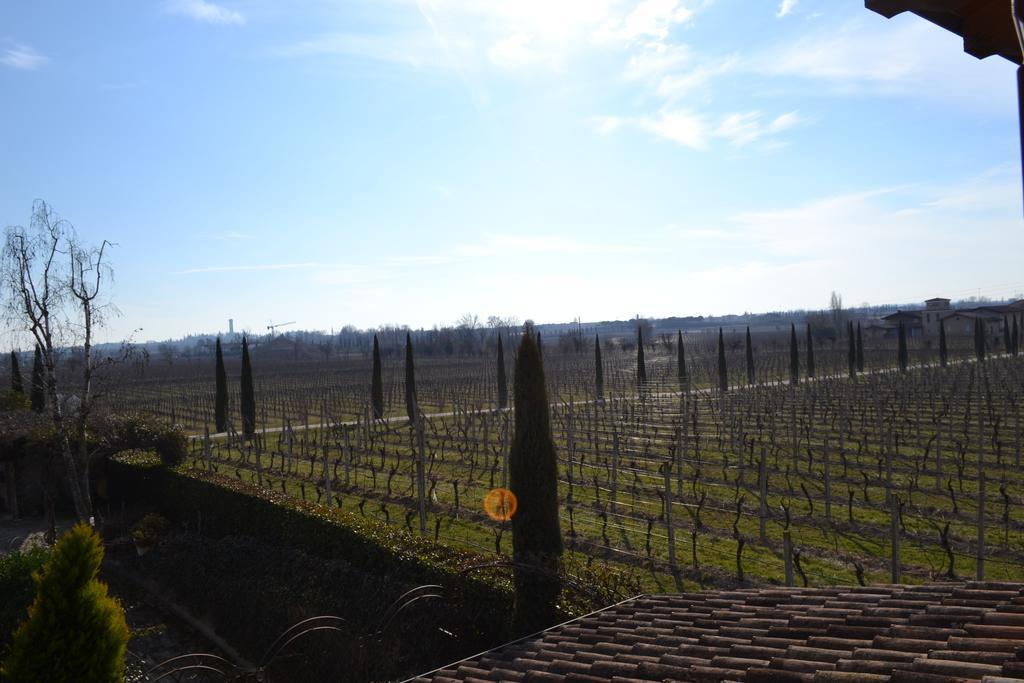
x=231 y=325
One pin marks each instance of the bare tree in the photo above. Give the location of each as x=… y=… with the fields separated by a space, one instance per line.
x=52 y=288
x=838 y=315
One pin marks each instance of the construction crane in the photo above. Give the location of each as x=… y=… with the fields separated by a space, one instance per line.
x=272 y=327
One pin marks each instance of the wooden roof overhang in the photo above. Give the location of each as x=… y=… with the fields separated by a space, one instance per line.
x=985 y=25
x=988 y=27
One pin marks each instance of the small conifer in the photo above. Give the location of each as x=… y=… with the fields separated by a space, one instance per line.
x=16 y=383
x=74 y=630
x=750 y=359
x=220 y=403
x=851 y=352
x=723 y=370
x=410 y=380
x=794 y=356
x=684 y=382
x=943 y=350
x=902 y=357
x=502 y=380
x=533 y=480
x=641 y=366
x=377 y=383
x=247 y=394
x=810 y=352
x=860 y=350
x=1015 y=338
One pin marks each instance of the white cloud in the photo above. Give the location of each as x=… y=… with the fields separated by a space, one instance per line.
x=204 y=11
x=506 y=33
x=651 y=19
x=695 y=131
x=505 y=244
x=916 y=235
x=656 y=59
x=680 y=126
x=253 y=267
x=413 y=49
x=874 y=56
x=22 y=57
x=785 y=7
x=515 y=51
x=679 y=84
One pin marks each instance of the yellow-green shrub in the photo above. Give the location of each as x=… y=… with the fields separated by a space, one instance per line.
x=74 y=630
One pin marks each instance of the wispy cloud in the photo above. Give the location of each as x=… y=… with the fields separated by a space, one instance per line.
x=833 y=242
x=508 y=244
x=22 y=57
x=649 y=19
x=743 y=129
x=204 y=11
x=468 y=35
x=864 y=57
x=941 y=220
x=255 y=267
x=697 y=131
x=425 y=260
x=410 y=49
x=785 y=7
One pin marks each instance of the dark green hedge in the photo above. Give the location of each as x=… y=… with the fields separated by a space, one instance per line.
x=388 y=560
x=252 y=590
x=222 y=506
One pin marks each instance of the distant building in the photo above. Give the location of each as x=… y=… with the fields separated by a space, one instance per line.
x=231 y=325
x=911 y=322
x=934 y=310
x=958 y=322
x=961 y=323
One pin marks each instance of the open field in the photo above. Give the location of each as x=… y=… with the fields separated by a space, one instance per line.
x=687 y=486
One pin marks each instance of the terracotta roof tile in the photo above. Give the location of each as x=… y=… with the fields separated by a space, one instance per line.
x=938 y=633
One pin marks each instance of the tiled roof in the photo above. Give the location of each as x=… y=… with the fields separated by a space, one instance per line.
x=936 y=633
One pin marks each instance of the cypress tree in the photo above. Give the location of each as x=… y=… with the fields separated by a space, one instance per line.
x=16 y=384
x=220 y=403
x=943 y=350
x=598 y=370
x=860 y=350
x=74 y=630
x=502 y=381
x=377 y=383
x=979 y=339
x=533 y=480
x=37 y=395
x=247 y=394
x=810 y=352
x=851 y=353
x=1006 y=335
x=641 y=367
x=681 y=363
x=723 y=371
x=794 y=356
x=410 y=381
x=750 y=359
x=1015 y=338
x=901 y=347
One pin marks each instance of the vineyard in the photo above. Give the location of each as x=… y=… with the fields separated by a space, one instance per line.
x=883 y=476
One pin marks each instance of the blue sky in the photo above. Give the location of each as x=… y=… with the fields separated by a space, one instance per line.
x=394 y=161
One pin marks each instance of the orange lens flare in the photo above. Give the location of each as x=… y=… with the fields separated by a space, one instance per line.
x=500 y=504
